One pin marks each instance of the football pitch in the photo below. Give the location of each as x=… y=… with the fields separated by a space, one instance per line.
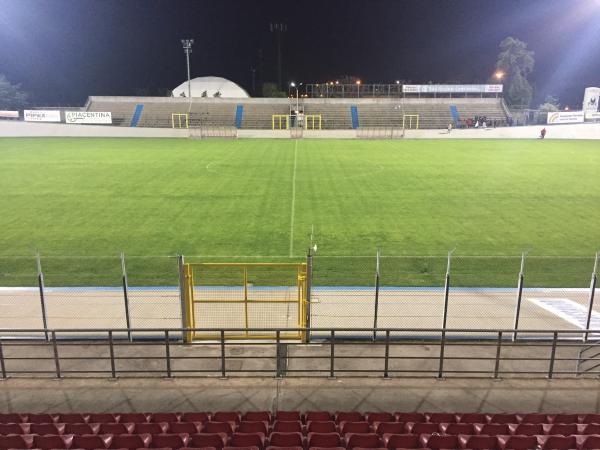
x=264 y=198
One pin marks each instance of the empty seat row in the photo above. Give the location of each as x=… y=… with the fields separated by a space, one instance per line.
x=322 y=416
x=343 y=428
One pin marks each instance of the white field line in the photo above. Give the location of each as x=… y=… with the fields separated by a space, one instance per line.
x=293 y=198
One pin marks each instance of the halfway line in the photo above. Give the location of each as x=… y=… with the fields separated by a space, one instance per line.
x=293 y=198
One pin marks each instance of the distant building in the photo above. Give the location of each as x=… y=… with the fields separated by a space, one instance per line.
x=211 y=87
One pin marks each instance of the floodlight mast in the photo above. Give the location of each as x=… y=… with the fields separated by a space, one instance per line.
x=187 y=49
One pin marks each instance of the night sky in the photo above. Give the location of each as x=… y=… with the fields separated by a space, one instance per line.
x=64 y=50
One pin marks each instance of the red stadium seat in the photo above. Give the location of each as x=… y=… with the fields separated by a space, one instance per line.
x=557 y=442
x=564 y=429
x=327 y=440
x=457 y=428
x=134 y=418
x=12 y=418
x=317 y=416
x=410 y=417
x=564 y=418
x=216 y=440
x=441 y=417
x=16 y=441
x=473 y=418
x=321 y=427
x=326 y=448
x=14 y=428
x=82 y=428
x=72 y=418
x=198 y=448
x=423 y=427
x=226 y=416
x=218 y=427
x=517 y=442
x=283 y=426
x=47 y=428
x=354 y=427
x=352 y=416
x=390 y=428
x=241 y=448
x=195 y=417
x=53 y=441
x=526 y=429
x=395 y=441
x=591 y=418
x=116 y=428
x=174 y=441
x=478 y=442
x=103 y=418
x=248 y=440
x=586 y=442
x=503 y=418
x=533 y=418
x=362 y=440
x=164 y=417
x=590 y=428
x=150 y=428
x=185 y=427
x=41 y=418
x=438 y=441
x=272 y=447
x=253 y=427
x=373 y=417
x=288 y=416
x=491 y=429
x=92 y=441
x=286 y=440
x=131 y=441
x=257 y=416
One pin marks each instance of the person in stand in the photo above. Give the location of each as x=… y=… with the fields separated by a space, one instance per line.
x=543 y=133
x=450 y=128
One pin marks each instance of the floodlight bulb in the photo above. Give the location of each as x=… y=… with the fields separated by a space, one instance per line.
x=315 y=248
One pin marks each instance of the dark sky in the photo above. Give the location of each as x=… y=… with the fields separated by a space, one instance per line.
x=64 y=50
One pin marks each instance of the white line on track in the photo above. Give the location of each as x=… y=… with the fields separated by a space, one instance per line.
x=293 y=198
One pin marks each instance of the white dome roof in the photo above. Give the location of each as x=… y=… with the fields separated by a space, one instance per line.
x=209 y=87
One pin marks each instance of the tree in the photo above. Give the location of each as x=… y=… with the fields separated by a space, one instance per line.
x=516 y=61
x=11 y=95
x=271 y=90
x=550 y=104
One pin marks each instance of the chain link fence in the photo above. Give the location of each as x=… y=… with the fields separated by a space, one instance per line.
x=378 y=291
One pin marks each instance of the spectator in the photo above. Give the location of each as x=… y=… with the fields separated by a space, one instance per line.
x=543 y=133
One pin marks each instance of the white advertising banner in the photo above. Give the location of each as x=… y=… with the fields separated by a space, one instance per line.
x=9 y=114
x=452 y=88
x=592 y=116
x=591 y=99
x=565 y=117
x=88 y=117
x=41 y=115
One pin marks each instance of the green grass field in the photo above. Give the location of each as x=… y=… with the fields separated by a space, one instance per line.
x=215 y=198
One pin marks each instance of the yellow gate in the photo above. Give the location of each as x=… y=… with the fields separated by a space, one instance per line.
x=237 y=297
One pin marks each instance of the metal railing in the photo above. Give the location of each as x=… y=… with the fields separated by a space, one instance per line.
x=435 y=353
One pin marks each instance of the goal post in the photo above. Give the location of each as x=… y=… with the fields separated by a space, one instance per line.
x=180 y=120
x=410 y=121
x=241 y=297
x=280 y=122
x=313 y=121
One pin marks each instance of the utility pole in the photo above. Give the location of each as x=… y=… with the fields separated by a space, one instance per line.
x=278 y=29
x=187 y=49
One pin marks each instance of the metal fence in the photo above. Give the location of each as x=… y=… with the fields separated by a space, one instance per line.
x=522 y=293
x=450 y=355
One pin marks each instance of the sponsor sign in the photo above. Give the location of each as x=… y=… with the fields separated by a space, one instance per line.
x=9 y=114
x=452 y=88
x=565 y=117
x=592 y=116
x=591 y=99
x=41 y=115
x=88 y=117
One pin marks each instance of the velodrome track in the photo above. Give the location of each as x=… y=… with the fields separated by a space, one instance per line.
x=343 y=307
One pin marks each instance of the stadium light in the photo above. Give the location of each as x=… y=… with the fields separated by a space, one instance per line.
x=187 y=49
x=296 y=86
x=499 y=75
x=357 y=88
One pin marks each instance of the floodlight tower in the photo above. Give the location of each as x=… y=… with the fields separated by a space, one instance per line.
x=187 y=49
x=278 y=28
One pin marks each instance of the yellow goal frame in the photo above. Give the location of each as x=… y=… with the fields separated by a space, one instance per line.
x=280 y=122
x=176 y=120
x=223 y=296
x=313 y=121
x=411 y=119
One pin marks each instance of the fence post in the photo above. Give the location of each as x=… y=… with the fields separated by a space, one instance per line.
x=56 y=359
x=387 y=354
x=552 y=355
x=168 y=353
x=519 y=297
x=309 y=277
x=125 y=295
x=40 y=276
x=332 y=355
x=375 y=315
x=442 y=349
x=2 y=363
x=113 y=371
x=498 y=349
x=446 y=292
x=223 y=373
x=278 y=370
x=593 y=283
x=184 y=321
